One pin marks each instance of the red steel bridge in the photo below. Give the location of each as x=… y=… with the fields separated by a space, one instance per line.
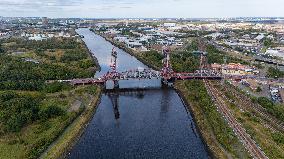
x=166 y=74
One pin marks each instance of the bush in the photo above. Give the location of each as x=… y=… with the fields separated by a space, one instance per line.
x=274 y=73
x=272 y=108
x=56 y=87
x=278 y=137
x=51 y=111
x=18 y=110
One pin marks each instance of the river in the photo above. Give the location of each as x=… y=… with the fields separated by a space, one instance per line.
x=148 y=124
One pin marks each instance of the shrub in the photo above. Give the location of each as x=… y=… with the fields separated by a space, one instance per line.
x=51 y=111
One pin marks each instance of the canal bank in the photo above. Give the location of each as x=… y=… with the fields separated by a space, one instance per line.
x=64 y=143
x=129 y=51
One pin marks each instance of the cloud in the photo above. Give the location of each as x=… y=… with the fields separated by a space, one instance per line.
x=141 y=8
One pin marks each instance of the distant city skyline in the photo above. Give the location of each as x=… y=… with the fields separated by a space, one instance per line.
x=142 y=9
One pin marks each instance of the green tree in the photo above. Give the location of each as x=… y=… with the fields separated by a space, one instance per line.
x=267 y=43
x=258 y=89
x=274 y=73
x=1 y=48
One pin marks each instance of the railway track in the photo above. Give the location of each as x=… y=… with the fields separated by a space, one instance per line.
x=245 y=103
x=245 y=138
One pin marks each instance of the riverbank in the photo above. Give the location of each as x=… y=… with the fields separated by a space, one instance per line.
x=94 y=59
x=72 y=133
x=63 y=144
x=215 y=150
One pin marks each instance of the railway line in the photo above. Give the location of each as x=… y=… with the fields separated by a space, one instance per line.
x=244 y=103
x=245 y=138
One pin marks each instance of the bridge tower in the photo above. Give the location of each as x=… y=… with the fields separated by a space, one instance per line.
x=203 y=60
x=167 y=71
x=113 y=67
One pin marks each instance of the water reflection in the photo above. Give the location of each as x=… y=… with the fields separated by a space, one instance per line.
x=114 y=95
x=114 y=100
x=165 y=101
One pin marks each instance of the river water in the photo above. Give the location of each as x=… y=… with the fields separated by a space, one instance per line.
x=148 y=124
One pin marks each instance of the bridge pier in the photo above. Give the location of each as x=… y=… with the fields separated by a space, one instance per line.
x=167 y=82
x=115 y=84
x=104 y=86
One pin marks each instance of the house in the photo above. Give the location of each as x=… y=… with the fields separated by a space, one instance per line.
x=133 y=44
x=259 y=37
x=120 y=38
x=275 y=52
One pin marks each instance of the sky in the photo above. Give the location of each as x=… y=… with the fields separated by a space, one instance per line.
x=142 y=8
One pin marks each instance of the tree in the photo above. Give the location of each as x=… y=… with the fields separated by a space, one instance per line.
x=267 y=43
x=258 y=89
x=274 y=73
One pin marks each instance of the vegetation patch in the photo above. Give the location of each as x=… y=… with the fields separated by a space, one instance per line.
x=34 y=112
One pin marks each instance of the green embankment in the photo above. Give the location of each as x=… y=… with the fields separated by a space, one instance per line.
x=63 y=144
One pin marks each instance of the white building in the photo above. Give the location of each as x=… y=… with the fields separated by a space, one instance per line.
x=169 y=24
x=275 y=52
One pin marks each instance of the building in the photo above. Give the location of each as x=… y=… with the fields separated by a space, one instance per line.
x=169 y=24
x=276 y=52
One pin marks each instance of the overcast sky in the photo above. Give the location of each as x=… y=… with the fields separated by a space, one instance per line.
x=143 y=8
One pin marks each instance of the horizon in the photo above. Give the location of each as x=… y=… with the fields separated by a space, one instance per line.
x=141 y=9
x=271 y=17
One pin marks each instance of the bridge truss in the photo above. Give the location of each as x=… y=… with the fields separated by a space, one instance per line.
x=166 y=74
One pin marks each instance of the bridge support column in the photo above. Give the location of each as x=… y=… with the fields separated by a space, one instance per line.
x=167 y=82
x=104 y=86
x=115 y=84
x=164 y=82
